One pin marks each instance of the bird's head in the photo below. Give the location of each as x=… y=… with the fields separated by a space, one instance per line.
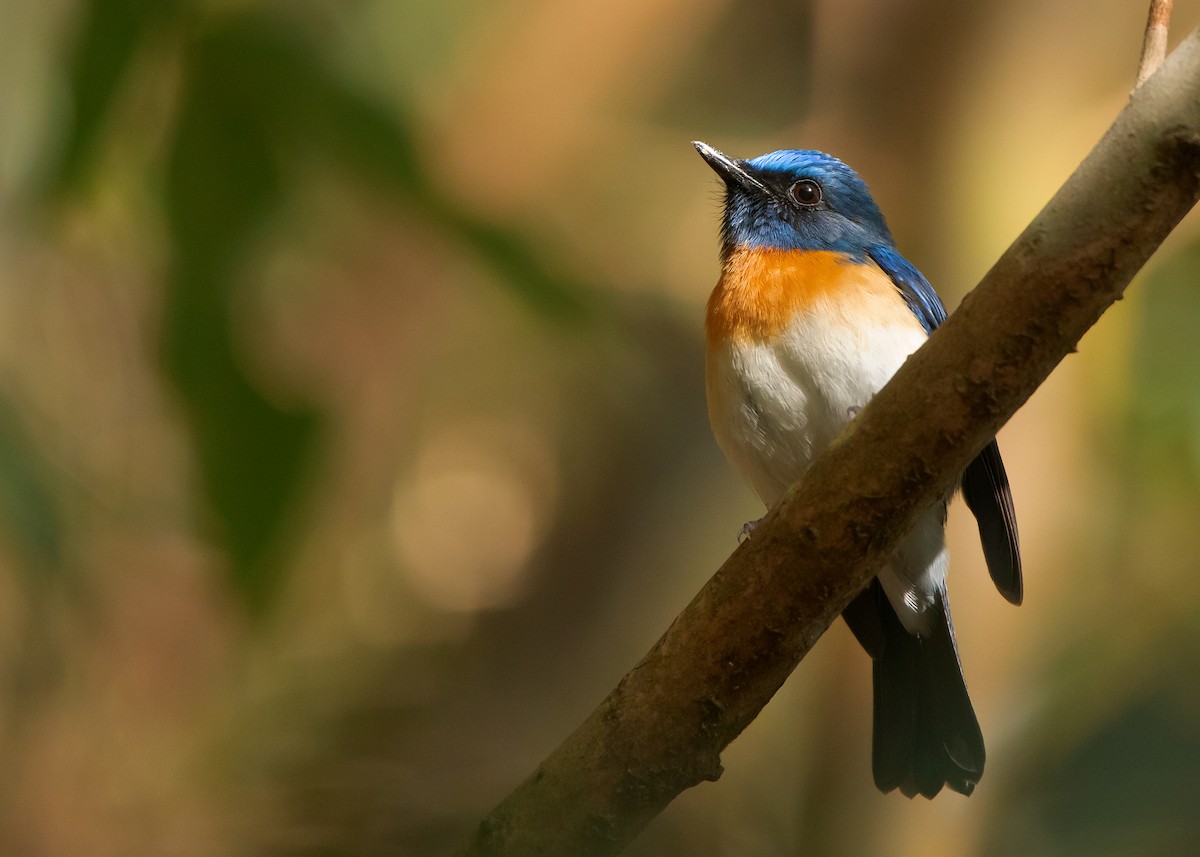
x=796 y=199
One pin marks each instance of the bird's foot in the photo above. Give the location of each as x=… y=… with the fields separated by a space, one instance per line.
x=746 y=530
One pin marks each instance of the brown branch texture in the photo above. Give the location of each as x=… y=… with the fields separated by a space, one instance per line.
x=663 y=728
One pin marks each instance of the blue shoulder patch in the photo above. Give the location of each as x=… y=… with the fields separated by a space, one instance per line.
x=917 y=293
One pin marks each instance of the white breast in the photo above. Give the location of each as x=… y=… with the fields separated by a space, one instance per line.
x=775 y=405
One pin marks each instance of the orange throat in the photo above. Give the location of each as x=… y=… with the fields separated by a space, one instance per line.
x=761 y=291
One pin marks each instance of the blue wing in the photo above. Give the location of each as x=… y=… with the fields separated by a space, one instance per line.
x=914 y=288
x=984 y=483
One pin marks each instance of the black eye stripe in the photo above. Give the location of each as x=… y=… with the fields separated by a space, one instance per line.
x=806 y=193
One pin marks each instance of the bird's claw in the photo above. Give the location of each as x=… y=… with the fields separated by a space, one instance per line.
x=746 y=530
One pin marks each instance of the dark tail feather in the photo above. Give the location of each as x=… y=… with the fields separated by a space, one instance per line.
x=925 y=734
x=985 y=488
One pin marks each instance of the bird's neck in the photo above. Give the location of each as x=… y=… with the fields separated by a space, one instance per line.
x=762 y=290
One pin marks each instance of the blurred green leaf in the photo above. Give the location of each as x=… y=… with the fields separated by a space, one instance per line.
x=223 y=185
x=343 y=125
x=514 y=258
x=110 y=36
x=255 y=101
x=335 y=121
x=28 y=510
x=253 y=455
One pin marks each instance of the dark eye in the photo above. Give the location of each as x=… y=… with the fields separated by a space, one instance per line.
x=806 y=192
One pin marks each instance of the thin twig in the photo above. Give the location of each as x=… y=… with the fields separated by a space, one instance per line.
x=663 y=728
x=1154 y=44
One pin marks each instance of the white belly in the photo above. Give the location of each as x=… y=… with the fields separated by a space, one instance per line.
x=775 y=406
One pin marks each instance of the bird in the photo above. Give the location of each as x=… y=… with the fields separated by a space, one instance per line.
x=814 y=311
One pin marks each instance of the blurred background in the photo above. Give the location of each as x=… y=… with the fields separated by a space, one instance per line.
x=353 y=442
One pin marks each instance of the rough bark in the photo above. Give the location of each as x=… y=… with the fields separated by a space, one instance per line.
x=663 y=728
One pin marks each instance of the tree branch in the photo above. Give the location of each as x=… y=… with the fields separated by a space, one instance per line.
x=1154 y=43
x=663 y=728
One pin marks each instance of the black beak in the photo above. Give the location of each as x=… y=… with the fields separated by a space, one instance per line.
x=733 y=172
